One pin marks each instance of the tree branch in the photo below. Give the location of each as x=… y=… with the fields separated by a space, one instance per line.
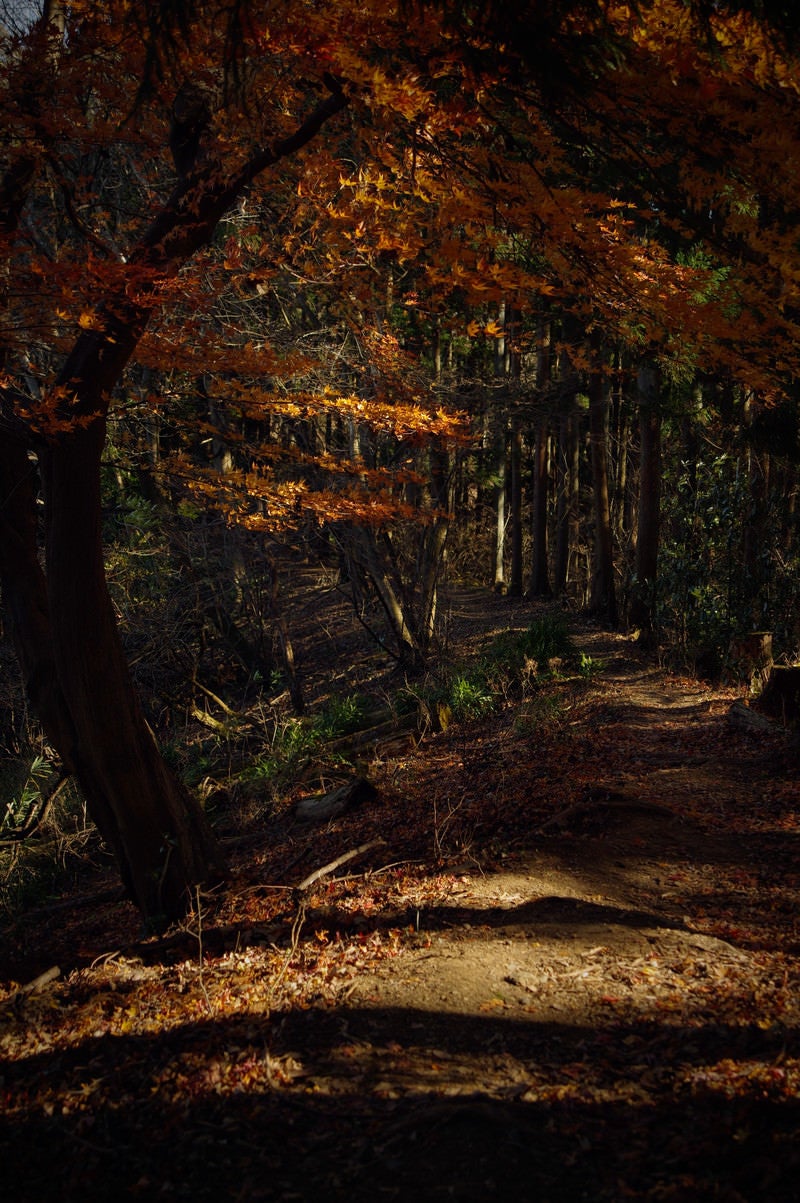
x=331 y=867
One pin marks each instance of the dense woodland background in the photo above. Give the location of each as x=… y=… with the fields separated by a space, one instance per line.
x=395 y=296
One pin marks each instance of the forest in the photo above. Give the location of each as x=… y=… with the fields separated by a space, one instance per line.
x=399 y=449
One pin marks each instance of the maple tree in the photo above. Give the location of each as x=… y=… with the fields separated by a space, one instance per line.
x=614 y=173
x=63 y=622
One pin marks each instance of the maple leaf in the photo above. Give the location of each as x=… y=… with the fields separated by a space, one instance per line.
x=89 y=320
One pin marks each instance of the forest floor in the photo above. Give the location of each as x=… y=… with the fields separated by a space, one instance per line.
x=569 y=971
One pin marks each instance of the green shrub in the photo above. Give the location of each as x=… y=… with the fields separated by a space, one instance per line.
x=295 y=739
x=339 y=717
x=516 y=658
x=588 y=667
x=469 y=698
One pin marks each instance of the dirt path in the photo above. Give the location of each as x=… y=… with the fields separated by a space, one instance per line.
x=572 y=974
x=613 y=1014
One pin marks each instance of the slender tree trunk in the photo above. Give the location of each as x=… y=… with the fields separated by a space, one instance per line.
x=649 y=525
x=567 y=506
x=434 y=549
x=516 y=583
x=603 y=599
x=755 y=520
x=540 y=581
x=498 y=414
x=540 y=578
x=621 y=483
x=434 y=543
x=500 y=516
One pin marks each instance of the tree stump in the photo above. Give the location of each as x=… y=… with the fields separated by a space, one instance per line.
x=750 y=659
x=781 y=696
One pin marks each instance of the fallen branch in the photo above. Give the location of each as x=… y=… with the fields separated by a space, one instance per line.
x=333 y=865
x=323 y=807
x=39 y=983
x=208 y=720
x=33 y=987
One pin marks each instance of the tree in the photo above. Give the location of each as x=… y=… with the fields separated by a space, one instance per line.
x=604 y=594
x=647 y=541
x=62 y=620
x=607 y=160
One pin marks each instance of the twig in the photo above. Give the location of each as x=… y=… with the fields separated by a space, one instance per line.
x=36 y=812
x=214 y=698
x=39 y=983
x=309 y=881
x=395 y=864
x=200 y=953
x=33 y=987
x=294 y=940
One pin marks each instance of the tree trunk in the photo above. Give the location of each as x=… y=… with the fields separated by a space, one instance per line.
x=63 y=625
x=24 y=592
x=434 y=546
x=366 y=559
x=781 y=696
x=649 y=526
x=540 y=580
x=750 y=659
x=499 y=415
x=540 y=577
x=621 y=439
x=567 y=505
x=500 y=515
x=603 y=600
x=158 y=832
x=515 y=587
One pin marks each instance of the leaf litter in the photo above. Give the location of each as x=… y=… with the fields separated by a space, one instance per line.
x=571 y=972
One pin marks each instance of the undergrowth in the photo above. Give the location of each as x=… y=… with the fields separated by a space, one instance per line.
x=294 y=741
x=241 y=775
x=513 y=666
x=35 y=870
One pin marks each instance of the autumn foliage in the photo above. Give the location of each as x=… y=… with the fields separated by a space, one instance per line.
x=274 y=262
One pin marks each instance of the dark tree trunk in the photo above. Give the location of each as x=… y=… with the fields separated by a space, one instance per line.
x=540 y=580
x=24 y=589
x=567 y=517
x=63 y=623
x=603 y=600
x=649 y=526
x=157 y=831
x=540 y=577
x=515 y=586
x=500 y=514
